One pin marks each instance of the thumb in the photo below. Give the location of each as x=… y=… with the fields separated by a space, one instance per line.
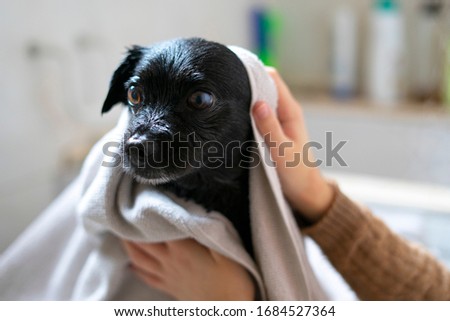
x=267 y=123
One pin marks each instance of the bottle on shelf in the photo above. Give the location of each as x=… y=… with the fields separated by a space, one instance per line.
x=385 y=50
x=427 y=53
x=344 y=53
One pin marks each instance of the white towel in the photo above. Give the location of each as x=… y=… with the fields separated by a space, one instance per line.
x=73 y=251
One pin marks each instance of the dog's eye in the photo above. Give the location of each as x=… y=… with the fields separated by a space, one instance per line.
x=201 y=100
x=134 y=95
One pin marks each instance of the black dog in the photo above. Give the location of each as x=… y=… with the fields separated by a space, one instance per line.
x=189 y=130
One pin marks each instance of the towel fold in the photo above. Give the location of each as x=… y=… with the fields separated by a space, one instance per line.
x=73 y=251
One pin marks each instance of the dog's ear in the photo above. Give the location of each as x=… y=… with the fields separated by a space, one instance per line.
x=125 y=70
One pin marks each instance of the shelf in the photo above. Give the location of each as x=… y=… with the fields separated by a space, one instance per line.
x=408 y=110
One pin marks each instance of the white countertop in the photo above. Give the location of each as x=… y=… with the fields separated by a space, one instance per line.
x=394 y=192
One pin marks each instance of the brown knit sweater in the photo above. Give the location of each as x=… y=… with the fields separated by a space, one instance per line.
x=375 y=262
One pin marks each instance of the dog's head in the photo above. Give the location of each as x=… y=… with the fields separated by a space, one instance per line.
x=188 y=100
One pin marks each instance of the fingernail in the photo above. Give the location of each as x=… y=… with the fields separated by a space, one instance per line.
x=261 y=111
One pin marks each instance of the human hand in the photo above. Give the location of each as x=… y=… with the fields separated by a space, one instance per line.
x=187 y=270
x=286 y=135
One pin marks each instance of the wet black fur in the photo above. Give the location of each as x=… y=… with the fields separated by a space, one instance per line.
x=168 y=73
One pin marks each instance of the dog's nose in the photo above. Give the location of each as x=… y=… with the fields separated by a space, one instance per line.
x=138 y=149
x=137 y=139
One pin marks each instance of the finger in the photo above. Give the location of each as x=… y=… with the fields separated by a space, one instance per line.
x=286 y=100
x=186 y=246
x=188 y=252
x=268 y=125
x=149 y=278
x=142 y=260
x=289 y=110
x=217 y=257
x=159 y=250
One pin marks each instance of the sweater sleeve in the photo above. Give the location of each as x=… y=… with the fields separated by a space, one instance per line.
x=376 y=262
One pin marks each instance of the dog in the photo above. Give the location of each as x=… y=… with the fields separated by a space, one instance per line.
x=189 y=130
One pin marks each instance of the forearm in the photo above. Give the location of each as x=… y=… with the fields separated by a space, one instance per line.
x=376 y=262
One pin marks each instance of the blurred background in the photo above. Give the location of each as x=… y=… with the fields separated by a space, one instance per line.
x=374 y=73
